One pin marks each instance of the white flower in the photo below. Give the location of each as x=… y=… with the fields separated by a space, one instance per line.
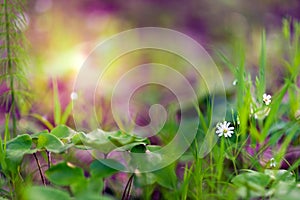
x=74 y=96
x=235 y=82
x=224 y=129
x=267 y=99
x=272 y=162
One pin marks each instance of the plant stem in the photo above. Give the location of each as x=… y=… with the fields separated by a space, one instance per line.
x=127 y=190
x=12 y=109
x=234 y=167
x=49 y=159
x=40 y=169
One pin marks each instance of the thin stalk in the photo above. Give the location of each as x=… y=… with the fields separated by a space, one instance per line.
x=234 y=167
x=211 y=168
x=49 y=159
x=40 y=168
x=127 y=190
x=220 y=161
x=12 y=188
x=10 y=69
x=232 y=159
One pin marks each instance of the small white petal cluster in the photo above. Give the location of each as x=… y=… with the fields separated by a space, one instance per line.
x=267 y=99
x=272 y=162
x=224 y=129
x=235 y=82
x=74 y=96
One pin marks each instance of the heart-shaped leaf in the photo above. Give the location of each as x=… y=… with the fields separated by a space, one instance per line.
x=166 y=177
x=16 y=149
x=63 y=132
x=105 y=167
x=91 y=186
x=64 y=174
x=50 y=142
x=107 y=141
x=98 y=139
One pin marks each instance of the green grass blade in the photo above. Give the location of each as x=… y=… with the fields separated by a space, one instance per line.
x=57 y=105
x=272 y=117
x=66 y=113
x=261 y=81
x=44 y=121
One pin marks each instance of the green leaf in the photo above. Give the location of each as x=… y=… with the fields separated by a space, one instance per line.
x=36 y=135
x=16 y=149
x=145 y=179
x=79 y=187
x=66 y=113
x=42 y=120
x=140 y=148
x=166 y=177
x=273 y=112
x=87 y=196
x=121 y=139
x=105 y=167
x=281 y=174
x=57 y=106
x=284 y=190
x=50 y=142
x=78 y=138
x=286 y=29
x=45 y=193
x=98 y=139
x=252 y=176
x=251 y=183
x=128 y=147
x=92 y=186
x=95 y=185
x=261 y=81
x=64 y=174
x=17 y=146
x=153 y=148
x=107 y=141
x=62 y=132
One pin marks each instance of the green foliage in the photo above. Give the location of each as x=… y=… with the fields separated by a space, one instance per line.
x=60 y=116
x=229 y=171
x=292 y=62
x=58 y=141
x=261 y=79
x=15 y=150
x=49 y=142
x=62 y=132
x=270 y=183
x=107 y=141
x=44 y=193
x=64 y=174
x=103 y=168
x=166 y=177
x=13 y=59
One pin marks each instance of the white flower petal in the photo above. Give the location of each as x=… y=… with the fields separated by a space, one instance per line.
x=224 y=128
